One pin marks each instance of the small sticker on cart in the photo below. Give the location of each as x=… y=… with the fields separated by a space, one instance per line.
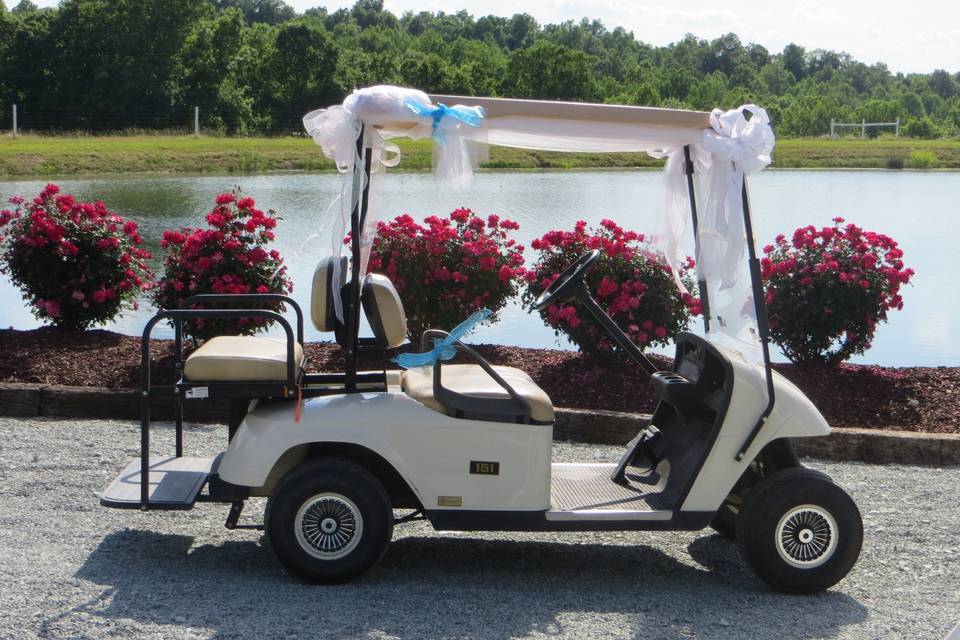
x=198 y=392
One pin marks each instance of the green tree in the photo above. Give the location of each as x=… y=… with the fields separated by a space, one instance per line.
x=709 y=92
x=942 y=83
x=520 y=32
x=776 y=78
x=205 y=73
x=24 y=7
x=303 y=67
x=794 y=60
x=810 y=116
x=267 y=11
x=921 y=128
x=552 y=71
x=118 y=71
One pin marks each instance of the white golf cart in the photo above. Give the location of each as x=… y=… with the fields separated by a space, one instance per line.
x=468 y=446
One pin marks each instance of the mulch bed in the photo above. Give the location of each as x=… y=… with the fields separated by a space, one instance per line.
x=909 y=398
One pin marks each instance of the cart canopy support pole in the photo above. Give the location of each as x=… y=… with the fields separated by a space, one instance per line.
x=763 y=326
x=688 y=170
x=358 y=216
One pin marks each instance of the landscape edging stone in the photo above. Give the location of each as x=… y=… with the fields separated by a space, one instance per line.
x=878 y=446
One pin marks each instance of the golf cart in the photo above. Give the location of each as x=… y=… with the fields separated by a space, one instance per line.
x=468 y=446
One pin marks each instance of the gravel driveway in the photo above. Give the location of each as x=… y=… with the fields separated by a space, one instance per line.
x=72 y=569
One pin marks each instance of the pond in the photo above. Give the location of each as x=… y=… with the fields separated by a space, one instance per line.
x=917 y=209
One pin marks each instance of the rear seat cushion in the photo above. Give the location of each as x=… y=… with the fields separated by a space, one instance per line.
x=241 y=358
x=472 y=380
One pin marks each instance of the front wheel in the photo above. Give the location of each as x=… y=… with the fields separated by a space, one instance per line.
x=799 y=531
x=329 y=520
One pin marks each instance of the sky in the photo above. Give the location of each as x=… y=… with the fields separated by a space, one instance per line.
x=918 y=36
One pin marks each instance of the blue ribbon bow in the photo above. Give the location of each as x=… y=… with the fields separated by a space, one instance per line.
x=443 y=348
x=468 y=115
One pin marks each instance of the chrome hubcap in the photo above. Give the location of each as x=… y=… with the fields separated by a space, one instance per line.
x=328 y=526
x=806 y=536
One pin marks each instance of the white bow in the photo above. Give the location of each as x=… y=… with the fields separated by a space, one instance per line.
x=737 y=147
x=748 y=143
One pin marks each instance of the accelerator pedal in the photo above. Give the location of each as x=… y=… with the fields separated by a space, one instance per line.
x=175 y=483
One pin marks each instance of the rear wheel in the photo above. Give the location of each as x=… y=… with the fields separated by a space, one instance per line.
x=329 y=521
x=799 y=531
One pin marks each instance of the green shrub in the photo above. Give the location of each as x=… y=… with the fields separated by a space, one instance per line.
x=77 y=264
x=827 y=289
x=922 y=159
x=447 y=268
x=921 y=128
x=631 y=281
x=230 y=256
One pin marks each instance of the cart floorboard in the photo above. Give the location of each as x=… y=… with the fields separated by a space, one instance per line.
x=581 y=487
x=175 y=483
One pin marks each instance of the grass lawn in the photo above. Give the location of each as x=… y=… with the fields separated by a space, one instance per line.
x=33 y=155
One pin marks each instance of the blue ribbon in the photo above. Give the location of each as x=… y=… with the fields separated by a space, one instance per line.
x=443 y=348
x=468 y=115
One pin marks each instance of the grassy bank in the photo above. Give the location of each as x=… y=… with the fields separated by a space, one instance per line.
x=47 y=156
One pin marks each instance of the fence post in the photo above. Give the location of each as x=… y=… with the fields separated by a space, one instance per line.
x=196 y=122
x=863 y=128
x=897 y=134
x=832 y=136
x=14 y=122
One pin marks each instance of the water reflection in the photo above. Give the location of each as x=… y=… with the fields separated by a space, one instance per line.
x=905 y=205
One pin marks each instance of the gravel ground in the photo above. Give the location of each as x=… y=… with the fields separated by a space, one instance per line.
x=72 y=569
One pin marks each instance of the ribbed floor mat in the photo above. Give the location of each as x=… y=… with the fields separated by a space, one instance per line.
x=588 y=486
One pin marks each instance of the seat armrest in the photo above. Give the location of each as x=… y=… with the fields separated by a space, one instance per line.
x=431 y=334
x=516 y=405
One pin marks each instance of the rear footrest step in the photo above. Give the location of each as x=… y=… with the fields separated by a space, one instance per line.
x=174 y=483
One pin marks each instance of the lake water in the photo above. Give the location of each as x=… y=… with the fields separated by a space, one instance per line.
x=919 y=210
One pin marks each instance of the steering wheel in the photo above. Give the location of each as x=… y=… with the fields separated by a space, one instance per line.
x=567 y=282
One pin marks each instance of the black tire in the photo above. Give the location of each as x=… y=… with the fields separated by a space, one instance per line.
x=329 y=521
x=776 y=455
x=799 y=531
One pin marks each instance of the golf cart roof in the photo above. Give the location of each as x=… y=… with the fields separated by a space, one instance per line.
x=583 y=112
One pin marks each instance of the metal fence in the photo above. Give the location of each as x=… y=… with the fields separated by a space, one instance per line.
x=863 y=125
x=17 y=119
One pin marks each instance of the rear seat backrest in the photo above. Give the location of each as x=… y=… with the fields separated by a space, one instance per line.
x=322 y=310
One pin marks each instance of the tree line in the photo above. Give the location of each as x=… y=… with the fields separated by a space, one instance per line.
x=258 y=65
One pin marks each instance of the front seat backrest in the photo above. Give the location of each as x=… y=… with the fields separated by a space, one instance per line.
x=384 y=311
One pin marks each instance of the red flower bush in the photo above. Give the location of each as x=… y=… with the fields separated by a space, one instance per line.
x=828 y=288
x=447 y=268
x=630 y=281
x=230 y=256
x=77 y=263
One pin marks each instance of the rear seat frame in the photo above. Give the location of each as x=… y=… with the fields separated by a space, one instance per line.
x=297 y=383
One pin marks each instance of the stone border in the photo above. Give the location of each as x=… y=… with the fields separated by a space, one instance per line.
x=878 y=446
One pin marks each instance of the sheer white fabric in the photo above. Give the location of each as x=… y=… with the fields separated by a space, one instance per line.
x=731 y=148
x=559 y=134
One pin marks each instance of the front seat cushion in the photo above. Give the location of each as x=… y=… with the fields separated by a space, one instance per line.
x=472 y=380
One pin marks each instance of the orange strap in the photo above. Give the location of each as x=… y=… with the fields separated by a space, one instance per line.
x=298 y=412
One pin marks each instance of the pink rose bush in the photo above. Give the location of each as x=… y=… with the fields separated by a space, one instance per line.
x=827 y=289
x=78 y=264
x=230 y=255
x=631 y=281
x=447 y=268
